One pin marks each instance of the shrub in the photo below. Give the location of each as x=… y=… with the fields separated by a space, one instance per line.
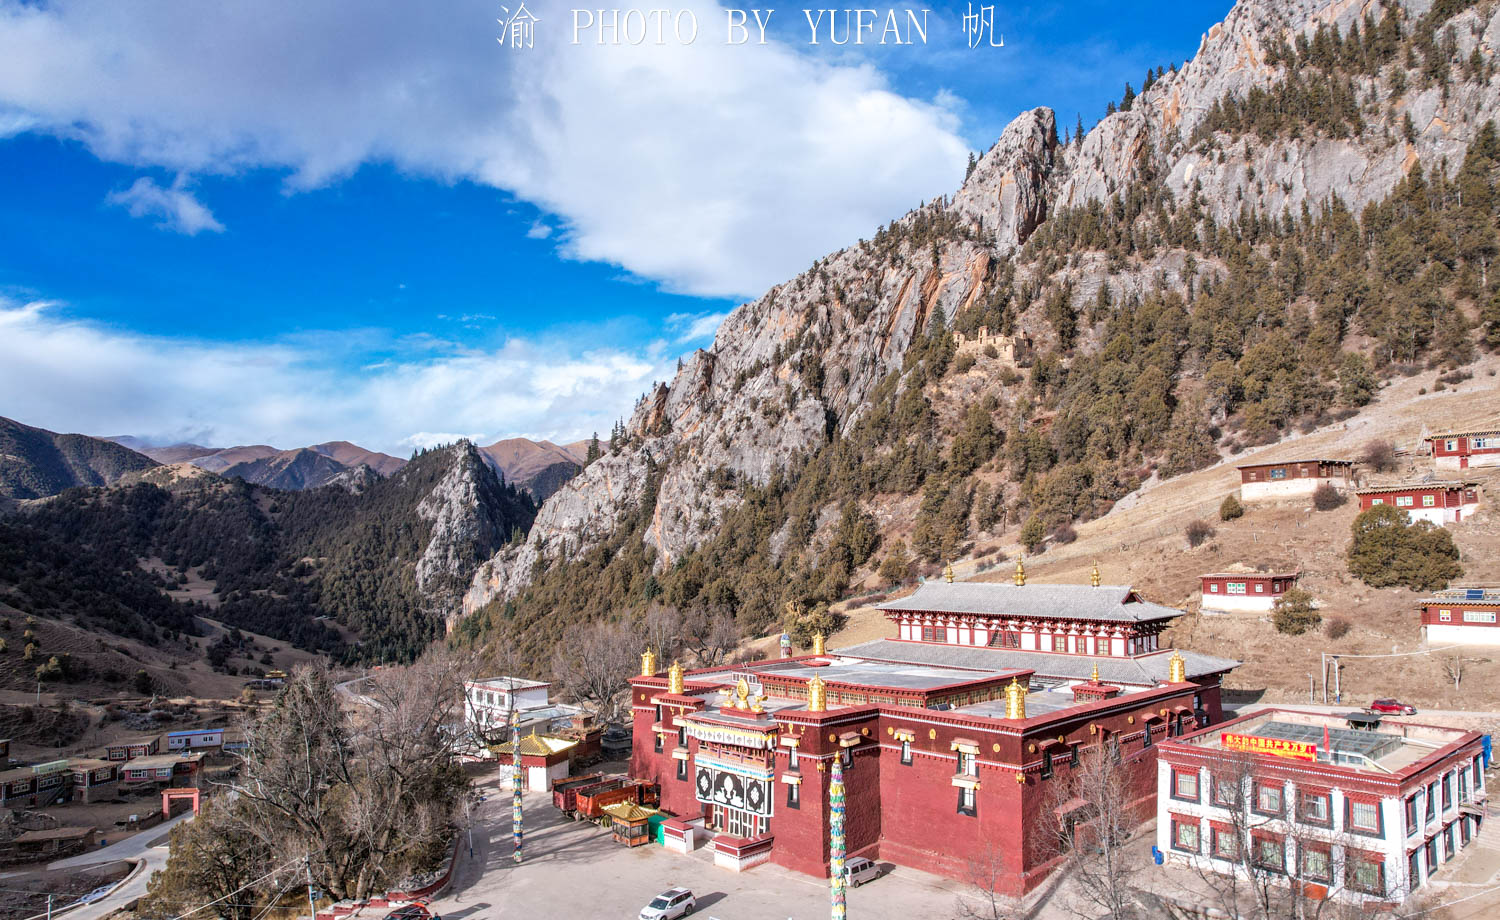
x=1387 y=550
x=1033 y=535
x=1294 y=613
x=1337 y=627
x=1231 y=508
x=1198 y=532
x=1327 y=498
x=965 y=363
x=1379 y=456
x=1064 y=534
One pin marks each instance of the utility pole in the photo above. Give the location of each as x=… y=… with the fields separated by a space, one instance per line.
x=1323 y=671
x=1338 y=690
x=311 y=904
x=49 y=907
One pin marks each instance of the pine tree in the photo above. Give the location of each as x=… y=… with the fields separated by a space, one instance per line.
x=593 y=452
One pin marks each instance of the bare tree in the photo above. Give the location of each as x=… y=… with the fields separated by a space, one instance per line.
x=594 y=668
x=985 y=873
x=1090 y=817
x=662 y=630
x=1454 y=669
x=711 y=637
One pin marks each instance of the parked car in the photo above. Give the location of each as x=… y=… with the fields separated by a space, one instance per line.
x=409 y=912
x=669 y=905
x=859 y=870
x=1393 y=708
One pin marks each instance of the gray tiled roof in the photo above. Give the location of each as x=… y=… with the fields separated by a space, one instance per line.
x=1142 y=671
x=1068 y=602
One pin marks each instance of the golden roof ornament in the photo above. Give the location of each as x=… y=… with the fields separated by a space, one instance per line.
x=1176 y=668
x=674 y=678
x=1020 y=571
x=648 y=663
x=817 y=695
x=948 y=573
x=1094 y=576
x=818 y=644
x=742 y=694
x=1095 y=676
x=1015 y=700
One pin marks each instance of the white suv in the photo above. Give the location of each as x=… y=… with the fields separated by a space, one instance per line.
x=859 y=870
x=669 y=905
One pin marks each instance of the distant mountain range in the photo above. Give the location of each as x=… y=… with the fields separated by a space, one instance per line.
x=36 y=463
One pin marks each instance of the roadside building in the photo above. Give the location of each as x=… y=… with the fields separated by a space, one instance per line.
x=1462 y=616
x=36 y=786
x=195 y=739
x=54 y=841
x=131 y=748
x=951 y=738
x=543 y=760
x=1460 y=450
x=1438 y=503
x=1293 y=478
x=1347 y=807
x=92 y=780
x=162 y=770
x=1247 y=590
x=489 y=704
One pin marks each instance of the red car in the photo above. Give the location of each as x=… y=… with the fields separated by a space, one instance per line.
x=1392 y=708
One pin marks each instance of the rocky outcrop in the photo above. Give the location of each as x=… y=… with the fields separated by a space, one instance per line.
x=801 y=361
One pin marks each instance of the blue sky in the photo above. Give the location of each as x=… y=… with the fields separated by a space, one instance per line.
x=290 y=221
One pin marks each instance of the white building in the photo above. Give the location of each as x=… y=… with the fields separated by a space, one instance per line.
x=1293 y=479
x=1359 y=814
x=488 y=705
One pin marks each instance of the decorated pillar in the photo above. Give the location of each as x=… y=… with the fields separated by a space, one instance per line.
x=515 y=781
x=836 y=880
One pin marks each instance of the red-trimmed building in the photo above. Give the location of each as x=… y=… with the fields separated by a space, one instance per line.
x=1348 y=807
x=1460 y=450
x=1462 y=616
x=1252 y=591
x=952 y=742
x=1293 y=478
x=1439 y=503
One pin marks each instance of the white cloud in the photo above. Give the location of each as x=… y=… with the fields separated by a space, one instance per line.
x=690 y=327
x=716 y=169
x=178 y=209
x=72 y=375
x=538 y=231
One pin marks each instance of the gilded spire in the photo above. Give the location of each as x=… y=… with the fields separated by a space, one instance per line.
x=648 y=663
x=742 y=694
x=674 y=678
x=1015 y=700
x=1094 y=576
x=1020 y=571
x=1176 y=668
x=948 y=573
x=1094 y=677
x=817 y=696
x=818 y=644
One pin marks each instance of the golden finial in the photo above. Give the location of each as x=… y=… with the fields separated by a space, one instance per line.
x=742 y=692
x=1095 y=676
x=674 y=678
x=948 y=573
x=1094 y=576
x=1020 y=571
x=648 y=663
x=817 y=697
x=818 y=647
x=1176 y=668
x=1015 y=700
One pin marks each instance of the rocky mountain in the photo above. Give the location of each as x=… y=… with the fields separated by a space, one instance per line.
x=331 y=463
x=540 y=467
x=1244 y=244
x=365 y=574
x=35 y=462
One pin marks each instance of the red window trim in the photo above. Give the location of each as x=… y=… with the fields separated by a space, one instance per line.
x=1198 y=786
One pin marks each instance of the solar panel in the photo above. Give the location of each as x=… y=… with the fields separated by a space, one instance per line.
x=1373 y=745
x=1474 y=594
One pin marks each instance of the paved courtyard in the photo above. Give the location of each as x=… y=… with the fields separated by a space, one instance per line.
x=576 y=870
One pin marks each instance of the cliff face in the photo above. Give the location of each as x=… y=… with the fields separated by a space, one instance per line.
x=801 y=361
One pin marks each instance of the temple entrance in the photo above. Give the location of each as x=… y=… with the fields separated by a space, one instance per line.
x=735 y=822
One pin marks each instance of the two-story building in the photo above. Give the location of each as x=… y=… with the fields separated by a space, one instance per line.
x=489 y=705
x=1289 y=479
x=164 y=770
x=1248 y=590
x=1348 y=807
x=92 y=780
x=1438 y=503
x=1462 y=616
x=131 y=748
x=952 y=738
x=1460 y=450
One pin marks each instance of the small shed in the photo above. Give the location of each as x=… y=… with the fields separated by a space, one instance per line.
x=631 y=822
x=55 y=840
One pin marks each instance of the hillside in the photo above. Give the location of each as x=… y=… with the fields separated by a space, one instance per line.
x=363 y=575
x=35 y=462
x=330 y=463
x=540 y=467
x=1245 y=248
